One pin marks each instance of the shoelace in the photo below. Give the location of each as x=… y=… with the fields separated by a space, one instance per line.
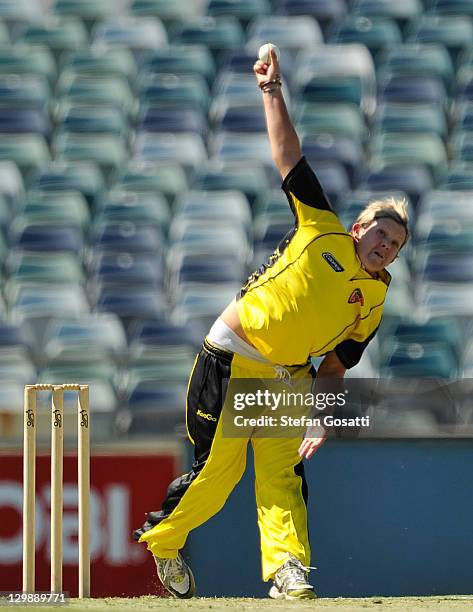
x=172 y=569
x=293 y=569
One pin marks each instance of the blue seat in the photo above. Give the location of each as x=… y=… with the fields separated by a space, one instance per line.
x=91 y=119
x=185 y=148
x=59 y=35
x=135 y=33
x=445 y=267
x=464 y=91
x=12 y=335
x=413 y=89
x=24 y=121
x=459 y=176
x=333 y=177
x=402 y=11
x=128 y=237
x=141 y=176
x=414 y=179
x=413 y=360
x=84 y=177
x=329 y=147
x=126 y=269
x=455 y=32
x=169 y=12
x=20 y=11
x=89 y=338
x=161 y=333
x=239 y=118
x=180 y=59
x=155 y=408
x=251 y=179
x=141 y=303
x=174 y=91
x=158 y=119
x=140 y=208
x=207 y=269
x=244 y=10
x=47 y=239
x=89 y=11
x=377 y=33
x=269 y=233
x=452 y=7
x=207 y=206
x=28 y=60
x=291 y=33
x=219 y=34
x=417 y=59
x=422 y=118
x=326 y=12
x=27 y=91
x=108 y=61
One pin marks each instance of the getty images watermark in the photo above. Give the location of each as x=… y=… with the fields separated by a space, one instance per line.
x=269 y=408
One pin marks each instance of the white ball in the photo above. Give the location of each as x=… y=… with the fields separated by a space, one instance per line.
x=263 y=53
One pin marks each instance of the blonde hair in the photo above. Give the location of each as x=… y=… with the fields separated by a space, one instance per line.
x=388 y=208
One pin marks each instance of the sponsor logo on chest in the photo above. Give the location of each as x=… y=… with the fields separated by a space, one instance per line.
x=356 y=296
x=332 y=262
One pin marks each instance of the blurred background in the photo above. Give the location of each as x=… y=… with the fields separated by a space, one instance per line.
x=137 y=193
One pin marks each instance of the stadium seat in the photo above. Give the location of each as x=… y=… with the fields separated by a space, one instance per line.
x=240 y=146
x=53 y=208
x=153 y=408
x=20 y=11
x=89 y=11
x=251 y=179
x=459 y=176
x=328 y=147
x=12 y=336
x=446 y=267
x=241 y=117
x=455 y=32
x=58 y=34
x=401 y=148
x=11 y=181
x=127 y=237
x=446 y=299
x=414 y=179
x=30 y=152
x=452 y=7
x=173 y=91
x=109 y=90
x=16 y=367
x=376 y=33
x=449 y=235
x=24 y=121
x=142 y=176
x=108 y=61
x=24 y=267
x=336 y=73
x=231 y=90
x=403 y=11
x=440 y=205
x=169 y=12
x=180 y=59
x=219 y=34
x=135 y=33
x=412 y=361
x=84 y=177
x=28 y=60
x=338 y=119
x=417 y=59
x=326 y=12
x=5 y=214
x=95 y=337
x=170 y=119
x=160 y=364
x=410 y=89
x=125 y=270
x=243 y=10
x=141 y=303
x=142 y=208
x=207 y=206
x=289 y=33
x=204 y=269
x=24 y=91
x=187 y=148
x=106 y=150
x=420 y=118
x=90 y=119
x=45 y=238
x=159 y=334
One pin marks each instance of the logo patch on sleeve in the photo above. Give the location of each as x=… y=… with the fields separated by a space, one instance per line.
x=356 y=296
x=332 y=262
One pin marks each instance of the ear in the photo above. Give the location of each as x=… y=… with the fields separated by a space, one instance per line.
x=356 y=229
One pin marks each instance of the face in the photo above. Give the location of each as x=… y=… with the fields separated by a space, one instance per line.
x=378 y=244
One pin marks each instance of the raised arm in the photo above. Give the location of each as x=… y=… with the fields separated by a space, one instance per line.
x=285 y=145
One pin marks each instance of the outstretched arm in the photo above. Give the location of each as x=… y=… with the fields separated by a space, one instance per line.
x=285 y=145
x=331 y=367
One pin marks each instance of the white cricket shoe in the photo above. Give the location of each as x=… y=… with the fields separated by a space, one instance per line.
x=290 y=581
x=176 y=576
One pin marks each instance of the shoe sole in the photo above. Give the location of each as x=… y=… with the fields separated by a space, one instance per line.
x=274 y=593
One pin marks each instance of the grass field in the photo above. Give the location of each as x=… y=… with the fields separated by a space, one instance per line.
x=201 y=604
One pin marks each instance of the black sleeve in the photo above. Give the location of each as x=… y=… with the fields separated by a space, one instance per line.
x=350 y=351
x=303 y=183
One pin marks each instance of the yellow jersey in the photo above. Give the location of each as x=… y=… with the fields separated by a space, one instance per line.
x=313 y=295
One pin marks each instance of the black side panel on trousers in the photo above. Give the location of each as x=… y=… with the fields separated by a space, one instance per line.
x=207 y=390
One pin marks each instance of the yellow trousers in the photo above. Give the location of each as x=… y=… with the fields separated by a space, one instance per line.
x=281 y=491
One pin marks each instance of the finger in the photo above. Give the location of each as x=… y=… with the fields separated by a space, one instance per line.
x=274 y=58
x=260 y=67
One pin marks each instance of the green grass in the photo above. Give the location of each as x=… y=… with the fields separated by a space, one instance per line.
x=202 y=604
